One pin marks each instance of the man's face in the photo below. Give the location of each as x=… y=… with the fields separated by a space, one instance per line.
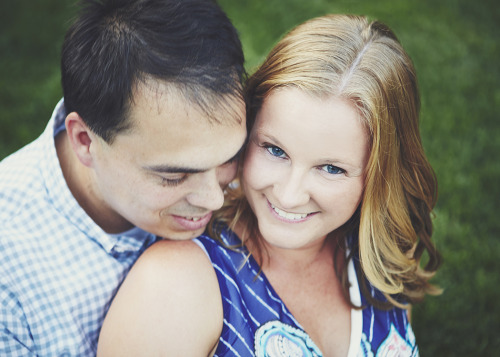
x=167 y=174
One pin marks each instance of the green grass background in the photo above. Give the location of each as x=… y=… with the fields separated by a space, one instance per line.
x=455 y=47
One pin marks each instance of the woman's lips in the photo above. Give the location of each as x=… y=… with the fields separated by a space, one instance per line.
x=288 y=216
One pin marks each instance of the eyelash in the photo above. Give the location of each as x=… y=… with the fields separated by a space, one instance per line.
x=177 y=182
x=338 y=170
x=270 y=147
x=173 y=182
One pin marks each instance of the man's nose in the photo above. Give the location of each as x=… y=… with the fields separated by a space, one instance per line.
x=208 y=192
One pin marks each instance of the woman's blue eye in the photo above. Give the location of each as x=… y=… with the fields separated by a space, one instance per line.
x=334 y=170
x=275 y=151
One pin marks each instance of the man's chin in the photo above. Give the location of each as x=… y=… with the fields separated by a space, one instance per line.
x=184 y=235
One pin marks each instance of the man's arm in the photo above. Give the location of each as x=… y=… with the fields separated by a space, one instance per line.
x=169 y=304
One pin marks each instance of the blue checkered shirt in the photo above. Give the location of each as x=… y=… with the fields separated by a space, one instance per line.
x=58 y=269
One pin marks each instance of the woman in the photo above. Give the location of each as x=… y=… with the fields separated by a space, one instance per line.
x=327 y=227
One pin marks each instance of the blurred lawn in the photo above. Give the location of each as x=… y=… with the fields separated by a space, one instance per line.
x=455 y=47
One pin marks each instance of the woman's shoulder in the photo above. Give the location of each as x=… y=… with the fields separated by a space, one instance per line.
x=163 y=287
x=224 y=247
x=386 y=328
x=379 y=327
x=170 y=266
x=167 y=262
x=167 y=253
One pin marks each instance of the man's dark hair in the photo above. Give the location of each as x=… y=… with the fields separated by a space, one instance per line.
x=116 y=44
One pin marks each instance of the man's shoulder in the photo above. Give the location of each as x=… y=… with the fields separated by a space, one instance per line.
x=22 y=166
x=21 y=177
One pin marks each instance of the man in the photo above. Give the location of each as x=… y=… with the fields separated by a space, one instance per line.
x=142 y=145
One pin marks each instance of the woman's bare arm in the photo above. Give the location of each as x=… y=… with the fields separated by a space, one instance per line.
x=169 y=305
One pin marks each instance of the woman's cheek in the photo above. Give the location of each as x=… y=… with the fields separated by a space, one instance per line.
x=258 y=170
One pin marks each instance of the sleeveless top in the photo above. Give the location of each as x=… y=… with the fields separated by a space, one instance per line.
x=257 y=322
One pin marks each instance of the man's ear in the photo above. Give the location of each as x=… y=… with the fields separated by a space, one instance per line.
x=80 y=138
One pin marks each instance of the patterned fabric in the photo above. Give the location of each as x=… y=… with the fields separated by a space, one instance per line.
x=59 y=270
x=257 y=322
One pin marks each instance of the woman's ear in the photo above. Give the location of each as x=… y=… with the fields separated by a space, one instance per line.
x=80 y=137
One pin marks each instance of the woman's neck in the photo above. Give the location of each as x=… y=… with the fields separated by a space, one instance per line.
x=294 y=260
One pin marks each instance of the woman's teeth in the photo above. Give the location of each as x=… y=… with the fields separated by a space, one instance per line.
x=289 y=216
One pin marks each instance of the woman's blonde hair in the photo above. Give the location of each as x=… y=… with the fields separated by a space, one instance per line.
x=353 y=58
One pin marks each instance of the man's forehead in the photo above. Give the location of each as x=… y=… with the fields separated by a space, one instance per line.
x=175 y=136
x=190 y=147
x=197 y=103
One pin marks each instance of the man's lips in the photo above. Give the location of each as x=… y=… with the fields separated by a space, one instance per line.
x=193 y=223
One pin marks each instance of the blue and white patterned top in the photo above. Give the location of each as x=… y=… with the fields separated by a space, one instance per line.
x=257 y=322
x=59 y=270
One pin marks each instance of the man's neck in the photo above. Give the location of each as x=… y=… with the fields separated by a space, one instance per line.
x=80 y=182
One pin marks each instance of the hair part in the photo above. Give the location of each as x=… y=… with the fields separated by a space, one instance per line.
x=362 y=61
x=114 y=46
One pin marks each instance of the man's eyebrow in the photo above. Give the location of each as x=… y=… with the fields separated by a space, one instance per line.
x=167 y=169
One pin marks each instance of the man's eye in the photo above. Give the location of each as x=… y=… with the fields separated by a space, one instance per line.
x=275 y=151
x=173 y=182
x=331 y=169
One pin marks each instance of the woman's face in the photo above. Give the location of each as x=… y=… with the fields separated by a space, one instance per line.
x=303 y=173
